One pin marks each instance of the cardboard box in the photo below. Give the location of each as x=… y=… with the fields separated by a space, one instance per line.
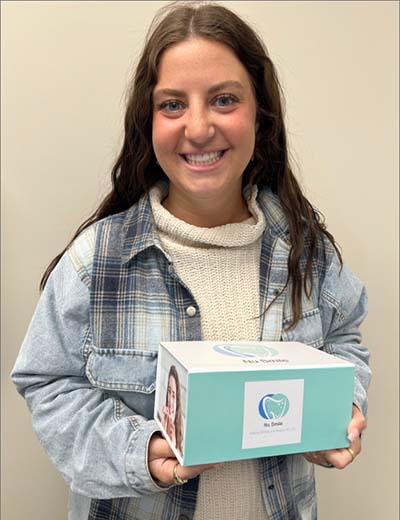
x=227 y=401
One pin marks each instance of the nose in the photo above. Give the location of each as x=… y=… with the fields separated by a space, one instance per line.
x=199 y=127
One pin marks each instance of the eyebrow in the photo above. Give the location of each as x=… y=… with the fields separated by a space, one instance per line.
x=211 y=90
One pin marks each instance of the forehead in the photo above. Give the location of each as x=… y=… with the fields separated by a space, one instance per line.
x=197 y=62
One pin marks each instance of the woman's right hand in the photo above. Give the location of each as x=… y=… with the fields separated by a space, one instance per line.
x=161 y=462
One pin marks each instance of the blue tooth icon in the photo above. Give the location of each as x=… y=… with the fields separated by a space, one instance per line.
x=273 y=406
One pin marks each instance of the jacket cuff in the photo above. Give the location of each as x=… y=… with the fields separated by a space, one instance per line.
x=360 y=398
x=136 y=463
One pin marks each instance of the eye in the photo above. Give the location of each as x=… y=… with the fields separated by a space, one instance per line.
x=170 y=106
x=225 y=100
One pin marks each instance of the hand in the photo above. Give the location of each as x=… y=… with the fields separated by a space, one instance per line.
x=341 y=458
x=167 y=420
x=161 y=462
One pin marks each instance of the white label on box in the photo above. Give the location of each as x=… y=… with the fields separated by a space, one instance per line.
x=273 y=412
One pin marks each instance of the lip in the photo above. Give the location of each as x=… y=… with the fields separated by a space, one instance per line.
x=203 y=167
x=200 y=152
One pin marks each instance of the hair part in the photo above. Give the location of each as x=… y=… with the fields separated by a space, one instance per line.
x=136 y=169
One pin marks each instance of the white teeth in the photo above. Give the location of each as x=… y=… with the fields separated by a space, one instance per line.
x=204 y=158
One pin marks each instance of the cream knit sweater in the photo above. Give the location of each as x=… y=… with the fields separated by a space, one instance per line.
x=220 y=266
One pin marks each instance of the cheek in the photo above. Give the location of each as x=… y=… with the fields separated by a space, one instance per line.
x=165 y=133
x=240 y=127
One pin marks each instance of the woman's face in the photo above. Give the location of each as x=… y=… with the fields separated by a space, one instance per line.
x=171 y=396
x=203 y=119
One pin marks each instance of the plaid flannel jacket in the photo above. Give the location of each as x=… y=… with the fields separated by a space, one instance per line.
x=106 y=306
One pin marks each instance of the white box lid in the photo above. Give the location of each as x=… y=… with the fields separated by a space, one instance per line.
x=215 y=356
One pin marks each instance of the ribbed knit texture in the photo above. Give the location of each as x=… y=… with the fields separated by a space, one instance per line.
x=220 y=266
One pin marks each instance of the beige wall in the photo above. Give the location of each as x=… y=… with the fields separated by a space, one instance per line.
x=65 y=66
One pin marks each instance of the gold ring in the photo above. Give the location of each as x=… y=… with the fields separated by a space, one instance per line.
x=353 y=456
x=176 y=478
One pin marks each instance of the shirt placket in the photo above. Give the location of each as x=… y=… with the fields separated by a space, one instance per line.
x=188 y=309
x=273 y=276
x=180 y=501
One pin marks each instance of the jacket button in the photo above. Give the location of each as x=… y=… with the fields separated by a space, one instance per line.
x=271 y=486
x=191 y=311
x=276 y=292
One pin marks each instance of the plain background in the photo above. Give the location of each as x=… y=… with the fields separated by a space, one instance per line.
x=65 y=69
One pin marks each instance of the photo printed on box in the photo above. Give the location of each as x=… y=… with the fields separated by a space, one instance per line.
x=172 y=402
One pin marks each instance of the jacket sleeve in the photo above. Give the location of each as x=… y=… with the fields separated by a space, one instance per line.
x=343 y=302
x=100 y=453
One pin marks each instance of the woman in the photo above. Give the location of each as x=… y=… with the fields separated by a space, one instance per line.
x=205 y=235
x=172 y=410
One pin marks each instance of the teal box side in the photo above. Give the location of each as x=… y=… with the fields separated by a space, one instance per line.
x=215 y=412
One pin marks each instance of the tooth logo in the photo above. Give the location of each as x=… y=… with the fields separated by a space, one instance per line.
x=273 y=406
x=245 y=351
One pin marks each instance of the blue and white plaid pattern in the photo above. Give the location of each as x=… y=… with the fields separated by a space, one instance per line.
x=136 y=301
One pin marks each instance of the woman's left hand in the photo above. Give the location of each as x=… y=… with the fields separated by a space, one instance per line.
x=340 y=458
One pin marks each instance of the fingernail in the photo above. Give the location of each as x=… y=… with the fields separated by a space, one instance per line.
x=353 y=435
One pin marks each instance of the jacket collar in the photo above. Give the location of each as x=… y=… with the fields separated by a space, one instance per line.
x=277 y=224
x=139 y=232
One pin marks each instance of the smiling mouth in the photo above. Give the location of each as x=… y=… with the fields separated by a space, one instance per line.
x=203 y=159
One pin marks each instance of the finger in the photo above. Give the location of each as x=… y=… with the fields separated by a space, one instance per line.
x=321 y=458
x=312 y=457
x=353 y=434
x=188 y=472
x=357 y=424
x=165 y=469
x=340 y=459
x=356 y=446
x=159 y=448
x=162 y=469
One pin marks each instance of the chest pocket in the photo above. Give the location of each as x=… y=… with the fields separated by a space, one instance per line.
x=308 y=329
x=127 y=374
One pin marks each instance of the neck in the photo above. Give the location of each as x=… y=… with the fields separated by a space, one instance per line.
x=205 y=212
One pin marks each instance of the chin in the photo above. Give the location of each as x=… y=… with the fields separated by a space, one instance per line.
x=206 y=182
x=205 y=191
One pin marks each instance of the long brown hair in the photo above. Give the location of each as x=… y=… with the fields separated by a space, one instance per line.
x=136 y=169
